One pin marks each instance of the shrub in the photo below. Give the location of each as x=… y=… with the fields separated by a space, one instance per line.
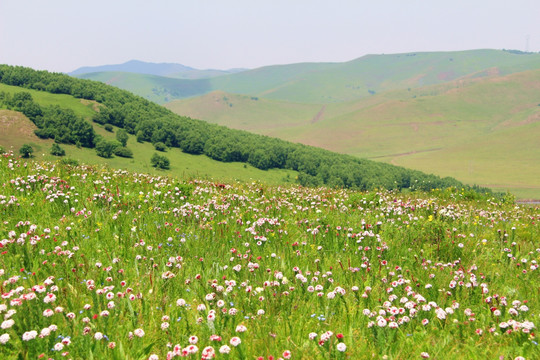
x=70 y=162
x=123 y=151
x=26 y=151
x=109 y=127
x=56 y=150
x=159 y=146
x=106 y=148
x=122 y=137
x=160 y=162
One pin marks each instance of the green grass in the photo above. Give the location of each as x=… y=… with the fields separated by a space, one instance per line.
x=83 y=108
x=108 y=264
x=480 y=131
x=155 y=88
x=243 y=112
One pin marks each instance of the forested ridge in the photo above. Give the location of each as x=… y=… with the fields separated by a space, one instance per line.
x=156 y=124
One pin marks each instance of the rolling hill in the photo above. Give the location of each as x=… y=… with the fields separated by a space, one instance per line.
x=482 y=130
x=158 y=89
x=323 y=83
x=172 y=70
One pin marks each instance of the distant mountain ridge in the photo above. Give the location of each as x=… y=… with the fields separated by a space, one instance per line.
x=323 y=83
x=173 y=70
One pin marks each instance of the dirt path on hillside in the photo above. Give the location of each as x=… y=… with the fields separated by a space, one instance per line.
x=319 y=116
x=95 y=105
x=395 y=156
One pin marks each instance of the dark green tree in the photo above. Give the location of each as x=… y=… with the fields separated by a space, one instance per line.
x=160 y=161
x=122 y=137
x=123 y=152
x=105 y=148
x=159 y=146
x=140 y=136
x=26 y=151
x=83 y=132
x=56 y=150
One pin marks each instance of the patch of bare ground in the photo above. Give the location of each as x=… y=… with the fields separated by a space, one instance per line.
x=15 y=123
x=16 y=129
x=396 y=156
x=95 y=105
x=446 y=75
x=113 y=80
x=533 y=118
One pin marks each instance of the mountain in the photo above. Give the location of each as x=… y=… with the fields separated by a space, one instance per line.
x=323 y=83
x=481 y=130
x=160 y=69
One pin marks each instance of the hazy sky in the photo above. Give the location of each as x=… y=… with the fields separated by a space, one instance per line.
x=62 y=35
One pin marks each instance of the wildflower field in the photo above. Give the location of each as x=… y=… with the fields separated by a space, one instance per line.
x=105 y=264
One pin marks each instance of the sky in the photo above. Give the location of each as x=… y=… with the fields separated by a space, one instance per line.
x=63 y=35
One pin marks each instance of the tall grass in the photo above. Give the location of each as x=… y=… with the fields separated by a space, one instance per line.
x=108 y=264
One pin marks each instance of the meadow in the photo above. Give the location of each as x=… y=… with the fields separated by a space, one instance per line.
x=98 y=263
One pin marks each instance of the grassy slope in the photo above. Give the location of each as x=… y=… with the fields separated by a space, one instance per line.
x=16 y=129
x=154 y=88
x=333 y=82
x=249 y=113
x=479 y=130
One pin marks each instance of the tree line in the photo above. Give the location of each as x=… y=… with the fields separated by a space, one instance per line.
x=153 y=123
x=53 y=122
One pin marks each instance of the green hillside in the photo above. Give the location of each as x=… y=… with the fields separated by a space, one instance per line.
x=16 y=130
x=154 y=124
x=479 y=130
x=155 y=88
x=254 y=114
x=334 y=82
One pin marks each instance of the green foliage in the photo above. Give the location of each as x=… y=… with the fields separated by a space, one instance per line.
x=56 y=150
x=123 y=151
x=159 y=146
x=108 y=127
x=192 y=143
x=106 y=148
x=69 y=162
x=122 y=136
x=26 y=151
x=140 y=136
x=160 y=161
